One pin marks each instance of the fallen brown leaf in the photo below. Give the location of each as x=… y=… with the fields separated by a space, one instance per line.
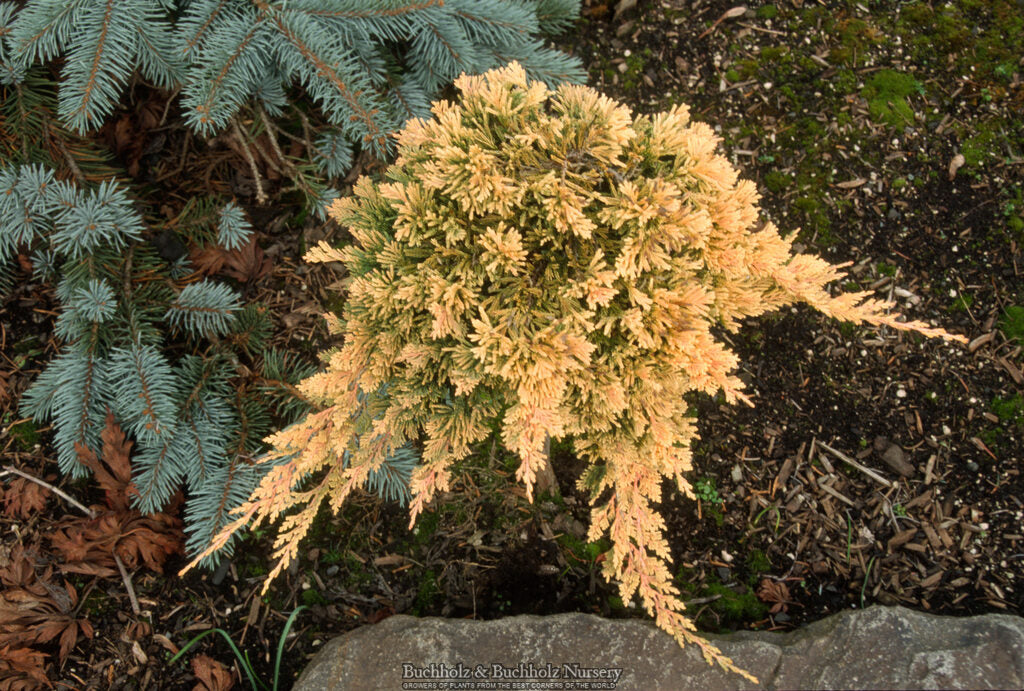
x=89 y=544
x=22 y=669
x=114 y=472
x=212 y=675
x=37 y=616
x=22 y=498
x=776 y=593
x=245 y=264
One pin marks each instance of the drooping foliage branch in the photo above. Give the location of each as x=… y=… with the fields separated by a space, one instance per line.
x=544 y=260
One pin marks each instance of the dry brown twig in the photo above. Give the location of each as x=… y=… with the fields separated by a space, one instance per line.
x=11 y=470
x=261 y=196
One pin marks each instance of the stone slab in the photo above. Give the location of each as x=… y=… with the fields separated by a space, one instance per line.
x=877 y=648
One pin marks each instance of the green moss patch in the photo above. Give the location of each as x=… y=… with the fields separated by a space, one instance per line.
x=1009 y=410
x=24 y=435
x=887 y=92
x=1012 y=323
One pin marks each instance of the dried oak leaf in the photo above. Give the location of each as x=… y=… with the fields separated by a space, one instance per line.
x=212 y=675
x=16 y=568
x=245 y=264
x=22 y=669
x=776 y=593
x=28 y=617
x=114 y=472
x=89 y=545
x=6 y=392
x=208 y=261
x=129 y=135
x=22 y=498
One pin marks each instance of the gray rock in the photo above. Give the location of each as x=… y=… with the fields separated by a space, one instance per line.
x=881 y=647
x=894 y=457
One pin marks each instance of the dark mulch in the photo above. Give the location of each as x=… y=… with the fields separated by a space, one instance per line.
x=875 y=468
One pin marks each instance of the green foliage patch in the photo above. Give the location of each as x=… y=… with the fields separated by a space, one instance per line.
x=888 y=92
x=1012 y=323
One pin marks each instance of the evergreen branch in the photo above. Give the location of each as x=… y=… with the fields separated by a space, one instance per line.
x=204 y=308
x=85 y=108
x=482 y=21
x=328 y=71
x=241 y=448
x=452 y=53
x=88 y=388
x=156 y=56
x=56 y=18
x=333 y=153
x=201 y=457
x=145 y=393
x=211 y=506
x=204 y=26
x=6 y=13
x=281 y=384
x=233 y=228
x=385 y=8
x=153 y=475
x=554 y=16
x=79 y=406
x=95 y=302
x=198 y=375
x=215 y=86
x=225 y=500
x=84 y=222
x=38 y=401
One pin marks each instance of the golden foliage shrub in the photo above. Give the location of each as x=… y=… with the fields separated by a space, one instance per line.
x=544 y=259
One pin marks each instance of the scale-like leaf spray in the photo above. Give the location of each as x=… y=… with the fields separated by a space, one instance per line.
x=545 y=259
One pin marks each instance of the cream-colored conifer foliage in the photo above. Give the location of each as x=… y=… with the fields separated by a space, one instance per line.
x=546 y=260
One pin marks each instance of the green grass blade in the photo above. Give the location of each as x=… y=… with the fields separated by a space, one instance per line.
x=280 y=643
x=234 y=648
